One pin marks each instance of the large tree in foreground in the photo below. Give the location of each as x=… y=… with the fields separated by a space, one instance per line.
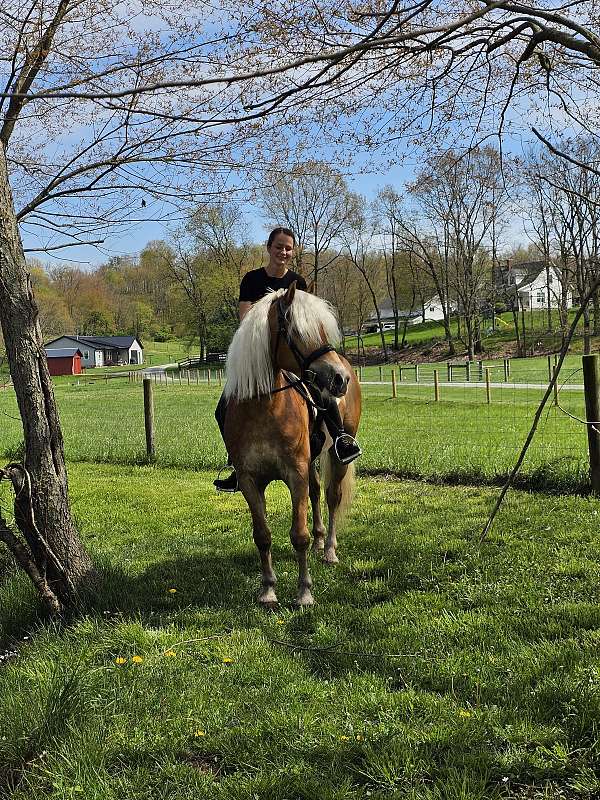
x=105 y=111
x=91 y=133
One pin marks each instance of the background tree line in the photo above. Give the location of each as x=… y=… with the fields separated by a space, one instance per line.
x=449 y=234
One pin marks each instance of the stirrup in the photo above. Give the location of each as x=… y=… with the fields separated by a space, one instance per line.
x=221 y=484
x=352 y=456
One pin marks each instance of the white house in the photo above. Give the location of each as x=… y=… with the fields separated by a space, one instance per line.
x=535 y=286
x=430 y=310
x=103 y=351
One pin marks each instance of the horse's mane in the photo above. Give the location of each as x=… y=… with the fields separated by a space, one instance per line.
x=249 y=363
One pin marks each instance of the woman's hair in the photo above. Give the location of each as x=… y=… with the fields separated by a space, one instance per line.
x=277 y=231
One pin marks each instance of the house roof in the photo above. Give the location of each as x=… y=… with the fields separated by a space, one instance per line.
x=529 y=269
x=62 y=352
x=102 y=342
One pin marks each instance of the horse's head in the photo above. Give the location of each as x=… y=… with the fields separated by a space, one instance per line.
x=300 y=342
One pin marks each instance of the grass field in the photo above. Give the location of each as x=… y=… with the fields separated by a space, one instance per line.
x=431 y=668
x=492 y=338
x=461 y=438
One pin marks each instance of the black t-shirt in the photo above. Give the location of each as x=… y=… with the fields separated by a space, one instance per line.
x=256 y=283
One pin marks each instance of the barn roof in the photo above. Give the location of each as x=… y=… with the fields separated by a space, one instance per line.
x=62 y=352
x=102 y=342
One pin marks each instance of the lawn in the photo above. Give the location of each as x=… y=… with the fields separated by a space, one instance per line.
x=430 y=667
x=492 y=337
x=461 y=438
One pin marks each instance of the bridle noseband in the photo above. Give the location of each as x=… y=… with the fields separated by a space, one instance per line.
x=307 y=375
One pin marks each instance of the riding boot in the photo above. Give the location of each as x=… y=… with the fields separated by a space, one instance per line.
x=345 y=446
x=228 y=484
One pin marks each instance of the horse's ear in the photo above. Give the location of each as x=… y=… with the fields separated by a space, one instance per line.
x=288 y=297
x=311 y=287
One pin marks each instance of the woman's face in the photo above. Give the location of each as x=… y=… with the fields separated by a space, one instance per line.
x=281 y=250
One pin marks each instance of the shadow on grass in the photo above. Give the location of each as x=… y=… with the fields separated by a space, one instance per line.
x=175 y=584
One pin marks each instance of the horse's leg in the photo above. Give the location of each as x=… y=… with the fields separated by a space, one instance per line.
x=300 y=538
x=255 y=497
x=334 y=498
x=314 y=488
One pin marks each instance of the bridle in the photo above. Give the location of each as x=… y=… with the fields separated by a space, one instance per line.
x=308 y=376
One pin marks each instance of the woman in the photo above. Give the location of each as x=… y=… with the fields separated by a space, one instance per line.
x=255 y=285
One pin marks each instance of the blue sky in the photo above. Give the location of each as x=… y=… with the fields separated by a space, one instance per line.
x=132 y=238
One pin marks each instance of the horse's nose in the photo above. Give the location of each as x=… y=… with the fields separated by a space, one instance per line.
x=340 y=383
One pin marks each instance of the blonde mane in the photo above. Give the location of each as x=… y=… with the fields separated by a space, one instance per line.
x=249 y=361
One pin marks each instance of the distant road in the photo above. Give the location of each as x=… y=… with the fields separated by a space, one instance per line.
x=159 y=369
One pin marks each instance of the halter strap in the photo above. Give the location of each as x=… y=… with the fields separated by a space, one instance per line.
x=306 y=375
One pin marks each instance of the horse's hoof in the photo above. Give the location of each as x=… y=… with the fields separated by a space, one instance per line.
x=268 y=599
x=329 y=557
x=304 y=599
x=318 y=545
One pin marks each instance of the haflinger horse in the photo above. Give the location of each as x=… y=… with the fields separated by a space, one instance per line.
x=284 y=346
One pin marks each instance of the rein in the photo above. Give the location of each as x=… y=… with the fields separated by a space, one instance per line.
x=296 y=383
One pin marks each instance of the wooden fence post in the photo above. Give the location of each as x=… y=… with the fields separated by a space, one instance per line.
x=591 y=384
x=505 y=370
x=380 y=374
x=449 y=368
x=149 y=418
x=549 y=369
x=436 y=383
x=488 y=388
x=360 y=374
x=394 y=394
x=399 y=372
x=468 y=370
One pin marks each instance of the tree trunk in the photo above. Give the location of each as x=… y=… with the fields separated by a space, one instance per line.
x=596 y=317
x=587 y=341
x=69 y=565
x=515 y=315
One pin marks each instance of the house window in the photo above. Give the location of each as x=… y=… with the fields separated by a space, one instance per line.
x=432 y=308
x=540 y=297
x=86 y=353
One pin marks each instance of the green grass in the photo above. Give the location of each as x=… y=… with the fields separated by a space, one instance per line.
x=430 y=668
x=460 y=439
x=431 y=332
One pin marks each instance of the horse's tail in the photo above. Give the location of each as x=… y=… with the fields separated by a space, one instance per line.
x=347 y=484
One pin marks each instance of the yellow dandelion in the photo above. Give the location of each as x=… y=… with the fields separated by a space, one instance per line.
x=200 y=733
x=120 y=660
x=228 y=660
x=137 y=659
x=463 y=713
x=344 y=738
x=171 y=591
x=280 y=622
x=170 y=653
x=360 y=738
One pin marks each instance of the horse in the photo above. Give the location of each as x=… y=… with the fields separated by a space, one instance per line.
x=282 y=347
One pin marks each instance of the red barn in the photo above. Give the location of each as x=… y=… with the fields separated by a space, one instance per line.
x=64 y=360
